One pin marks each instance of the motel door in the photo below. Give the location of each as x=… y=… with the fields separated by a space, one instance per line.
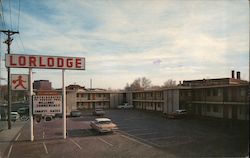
x=225 y=111
x=234 y=112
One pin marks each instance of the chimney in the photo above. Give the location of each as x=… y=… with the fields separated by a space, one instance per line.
x=238 y=75
x=232 y=73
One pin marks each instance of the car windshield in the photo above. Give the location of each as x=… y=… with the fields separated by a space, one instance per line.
x=104 y=122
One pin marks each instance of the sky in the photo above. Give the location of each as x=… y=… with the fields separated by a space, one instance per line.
x=123 y=40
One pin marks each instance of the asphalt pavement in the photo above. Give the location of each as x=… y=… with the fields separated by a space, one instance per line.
x=140 y=134
x=7 y=136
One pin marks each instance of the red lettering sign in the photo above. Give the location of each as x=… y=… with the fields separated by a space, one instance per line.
x=41 y=62
x=69 y=63
x=47 y=62
x=32 y=61
x=11 y=61
x=60 y=62
x=22 y=60
x=78 y=63
x=50 y=62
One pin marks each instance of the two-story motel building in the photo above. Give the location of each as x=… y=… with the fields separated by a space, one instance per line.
x=222 y=98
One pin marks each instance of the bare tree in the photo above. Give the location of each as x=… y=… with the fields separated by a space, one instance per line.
x=145 y=83
x=139 y=84
x=169 y=83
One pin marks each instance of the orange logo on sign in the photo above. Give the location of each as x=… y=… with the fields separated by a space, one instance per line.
x=19 y=82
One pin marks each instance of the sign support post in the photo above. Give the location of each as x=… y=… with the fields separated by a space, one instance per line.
x=30 y=107
x=64 y=105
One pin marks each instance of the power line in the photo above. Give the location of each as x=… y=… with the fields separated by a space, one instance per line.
x=10 y=16
x=0 y=58
x=18 y=14
x=2 y=15
x=21 y=41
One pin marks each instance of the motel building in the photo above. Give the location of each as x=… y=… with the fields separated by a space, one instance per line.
x=226 y=98
x=80 y=98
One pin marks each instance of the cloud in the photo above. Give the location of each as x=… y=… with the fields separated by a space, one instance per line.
x=157 y=61
x=129 y=39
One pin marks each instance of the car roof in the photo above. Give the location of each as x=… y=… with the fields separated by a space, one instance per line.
x=102 y=119
x=13 y=112
x=98 y=109
x=181 y=110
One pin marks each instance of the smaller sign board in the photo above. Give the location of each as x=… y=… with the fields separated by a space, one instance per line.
x=47 y=104
x=19 y=82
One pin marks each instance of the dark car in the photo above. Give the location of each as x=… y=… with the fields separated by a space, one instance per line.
x=98 y=112
x=48 y=118
x=75 y=113
x=23 y=111
x=59 y=115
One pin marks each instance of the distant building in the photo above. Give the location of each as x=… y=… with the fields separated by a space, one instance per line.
x=42 y=85
x=77 y=97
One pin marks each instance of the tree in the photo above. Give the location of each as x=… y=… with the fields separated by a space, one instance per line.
x=169 y=83
x=139 y=84
x=145 y=83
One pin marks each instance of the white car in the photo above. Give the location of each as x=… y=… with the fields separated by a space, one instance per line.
x=14 y=116
x=125 y=106
x=103 y=125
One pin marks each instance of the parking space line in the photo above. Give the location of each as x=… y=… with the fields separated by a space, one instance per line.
x=144 y=134
x=132 y=139
x=43 y=134
x=76 y=143
x=9 y=151
x=157 y=138
x=139 y=129
x=46 y=150
x=105 y=141
x=18 y=136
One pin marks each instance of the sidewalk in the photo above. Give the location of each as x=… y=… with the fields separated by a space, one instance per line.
x=7 y=135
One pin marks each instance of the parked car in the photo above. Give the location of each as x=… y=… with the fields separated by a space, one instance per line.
x=59 y=115
x=14 y=116
x=75 y=113
x=182 y=113
x=103 y=125
x=23 y=111
x=48 y=117
x=125 y=106
x=98 y=112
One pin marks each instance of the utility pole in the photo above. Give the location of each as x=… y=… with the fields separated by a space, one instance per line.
x=8 y=42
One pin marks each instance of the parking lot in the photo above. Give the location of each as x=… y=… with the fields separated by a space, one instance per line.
x=197 y=137
x=140 y=134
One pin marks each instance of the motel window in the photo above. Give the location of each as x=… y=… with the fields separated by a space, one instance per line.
x=215 y=108
x=242 y=92
x=243 y=110
x=215 y=92
x=208 y=92
x=208 y=108
x=219 y=92
x=99 y=95
x=77 y=95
